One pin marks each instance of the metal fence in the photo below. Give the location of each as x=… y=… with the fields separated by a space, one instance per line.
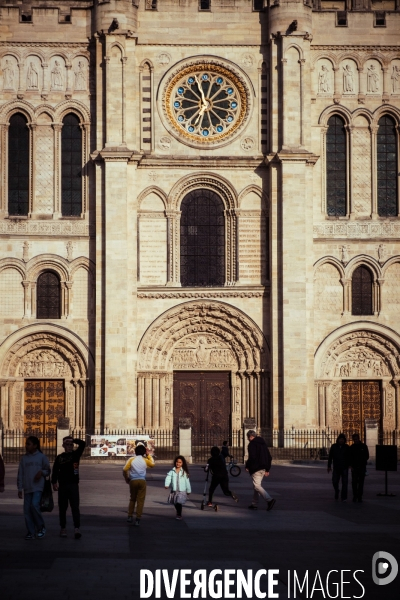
x=204 y=441
x=285 y=444
x=166 y=441
x=13 y=445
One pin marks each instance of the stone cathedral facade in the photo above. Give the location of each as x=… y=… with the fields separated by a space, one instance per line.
x=199 y=213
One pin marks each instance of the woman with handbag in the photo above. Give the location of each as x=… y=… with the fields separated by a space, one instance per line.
x=178 y=479
x=33 y=469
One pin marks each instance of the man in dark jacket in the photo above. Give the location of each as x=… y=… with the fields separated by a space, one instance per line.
x=339 y=456
x=258 y=465
x=66 y=473
x=359 y=456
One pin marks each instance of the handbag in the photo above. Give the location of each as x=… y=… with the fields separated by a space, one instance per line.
x=47 y=502
x=171 y=498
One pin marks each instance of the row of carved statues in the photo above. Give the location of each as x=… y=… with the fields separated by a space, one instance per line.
x=349 y=85
x=57 y=77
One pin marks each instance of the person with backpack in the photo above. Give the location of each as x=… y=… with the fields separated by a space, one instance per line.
x=134 y=473
x=33 y=468
x=258 y=465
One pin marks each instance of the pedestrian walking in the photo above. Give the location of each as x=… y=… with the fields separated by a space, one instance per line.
x=339 y=456
x=2 y=474
x=258 y=465
x=33 y=468
x=225 y=451
x=216 y=463
x=65 y=480
x=135 y=476
x=178 y=479
x=358 y=458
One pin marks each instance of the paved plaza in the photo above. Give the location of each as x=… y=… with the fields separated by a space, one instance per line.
x=307 y=530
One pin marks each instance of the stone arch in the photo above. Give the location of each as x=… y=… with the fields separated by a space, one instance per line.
x=332 y=260
x=328 y=112
x=358 y=351
x=223 y=188
x=363 y=260
x=81 y=262
x=362 y=112
x=47 y=352
x=211 y=181
x=45 y=262
x=296 y=47
x=257 y=190
x=16 y=106
x=146 y=63
x=207 y=335
x=386 y=109
x=153 y=189
x=13 y=263
x=74 y=106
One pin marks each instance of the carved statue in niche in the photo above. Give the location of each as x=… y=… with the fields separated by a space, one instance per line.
x=345 y=254
x=32 y=77
x=381 y=253
x=323 y=80
x=8 y=76
x=80 y=76
x=348 y=79
x=56 y=77
x=396 y=79
x=372 y=80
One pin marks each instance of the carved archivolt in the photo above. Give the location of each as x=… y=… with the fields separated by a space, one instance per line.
x=210 y=181
x=203 y=335
x=371 y=351
x=44 y=355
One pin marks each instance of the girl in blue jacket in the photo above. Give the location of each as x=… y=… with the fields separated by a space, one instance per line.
x=178 y=479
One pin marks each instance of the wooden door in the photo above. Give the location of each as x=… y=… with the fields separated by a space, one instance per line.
x=44 y=404
x=360 y=400
x=204 y=397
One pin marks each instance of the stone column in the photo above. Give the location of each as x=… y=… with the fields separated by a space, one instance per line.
x=62 y=432
x=374 y=191
x=248 y=424
x=185 y=439
x=173 y=261
x=372 y=436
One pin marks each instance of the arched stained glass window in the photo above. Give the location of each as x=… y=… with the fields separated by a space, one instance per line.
x=336 y=180
x=18 y=166
x=361 y=291
x=48 y=296
x=386 y=156
x=202 y=239
x=71 y=167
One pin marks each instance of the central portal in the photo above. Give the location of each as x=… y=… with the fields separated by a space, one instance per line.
x=205 y=398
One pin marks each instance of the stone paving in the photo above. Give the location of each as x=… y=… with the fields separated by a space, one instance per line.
x=306 y=531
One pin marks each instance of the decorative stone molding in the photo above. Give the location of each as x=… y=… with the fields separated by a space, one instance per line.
x=199 y=295
x=196 y=336
x=357 y=229
x=225 y=324
x=44 y=228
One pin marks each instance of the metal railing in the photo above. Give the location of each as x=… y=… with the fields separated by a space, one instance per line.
x=202 y=442
x=13 y=445
x=166 y=442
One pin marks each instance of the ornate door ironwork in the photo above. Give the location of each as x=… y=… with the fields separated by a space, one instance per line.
x=360 y=400
x=44 y=404
x=205 y=398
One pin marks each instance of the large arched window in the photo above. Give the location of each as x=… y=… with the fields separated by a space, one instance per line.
x=202 y=239
x=336 y=180
x=361 y=291
x=71 y=167
x=48 y=296
x=386 y=156
x=18 y=166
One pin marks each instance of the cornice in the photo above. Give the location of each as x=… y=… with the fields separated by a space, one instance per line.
x=355 y=48
x=202 y=162
x=237 y=292
x=286 y=156
x=86 y=43
x=209 y=46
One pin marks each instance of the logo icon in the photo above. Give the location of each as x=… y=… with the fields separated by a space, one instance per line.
x=384 y=568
